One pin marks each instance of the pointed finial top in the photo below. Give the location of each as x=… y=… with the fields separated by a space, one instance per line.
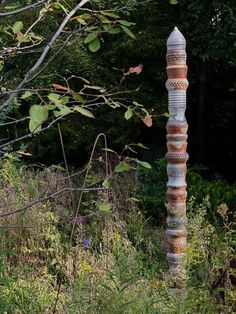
x=176 y=40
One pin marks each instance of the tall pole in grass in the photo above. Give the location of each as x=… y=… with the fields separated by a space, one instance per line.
x=176 y=156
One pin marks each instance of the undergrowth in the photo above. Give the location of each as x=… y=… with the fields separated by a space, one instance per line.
x=115 y=262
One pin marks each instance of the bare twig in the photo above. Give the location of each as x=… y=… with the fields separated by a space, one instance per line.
x=69 y=219
x=78 y=207
x=14 y=122
x=53 y=195
x=66 y=167
x=29 y=135
x=86 y=175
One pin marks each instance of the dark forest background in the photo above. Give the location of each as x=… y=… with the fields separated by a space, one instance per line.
x=210 y=31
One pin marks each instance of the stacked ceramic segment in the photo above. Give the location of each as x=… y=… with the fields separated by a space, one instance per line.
x=176 y=156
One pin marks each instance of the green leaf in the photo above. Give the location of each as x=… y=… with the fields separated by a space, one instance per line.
x=94 y=45
x=51 y=107
x=79 y=98
x=90 y=38
x=128 y=113
x=36 y=37
x=63 y=111
x=22 y=38
x=54 y=98
x=122 y=166
x=173 y=1
x=38 y=113
x=105 y=207
x=90 y=28
x=105 y=20
x=34 y=126
x=106 y=183
x=32 y=189
x=17 y=27
x=84 y=111
x=26 y=95
x=110 y=14
x=112 y=30
x=125 y=23
x=144 y=164
x=127 y=31
x=64 y=100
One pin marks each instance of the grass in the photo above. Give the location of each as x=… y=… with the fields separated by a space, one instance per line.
x=120 y=269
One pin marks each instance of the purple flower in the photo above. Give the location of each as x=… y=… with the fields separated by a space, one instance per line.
x=86 y=242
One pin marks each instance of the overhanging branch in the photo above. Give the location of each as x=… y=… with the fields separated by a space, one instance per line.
x=31 y=72
x=31 y=6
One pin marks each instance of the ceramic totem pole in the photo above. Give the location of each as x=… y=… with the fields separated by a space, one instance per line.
x=177 y=126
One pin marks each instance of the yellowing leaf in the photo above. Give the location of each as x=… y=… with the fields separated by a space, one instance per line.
x=81 y=21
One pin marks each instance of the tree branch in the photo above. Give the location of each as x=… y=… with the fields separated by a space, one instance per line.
x=31 y=6
x=30 y=73
x=53 y=195
x=29 y=135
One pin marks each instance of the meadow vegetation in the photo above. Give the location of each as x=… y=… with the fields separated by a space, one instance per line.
x=115 y=260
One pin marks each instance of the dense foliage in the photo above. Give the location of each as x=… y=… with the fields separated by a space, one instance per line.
x=209 y=28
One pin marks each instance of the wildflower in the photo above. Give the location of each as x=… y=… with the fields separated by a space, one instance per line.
x=86 y=242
